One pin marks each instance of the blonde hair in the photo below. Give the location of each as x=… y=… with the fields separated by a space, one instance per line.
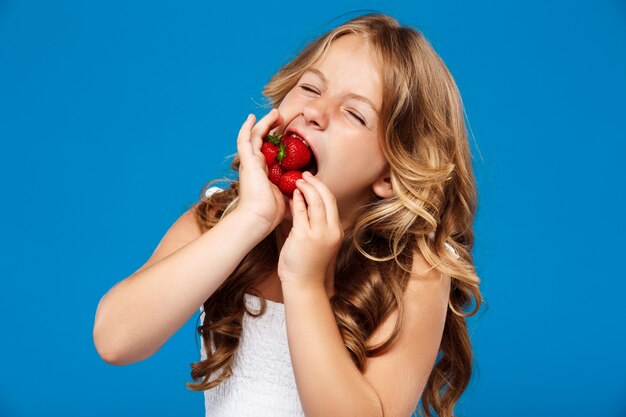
x=424 y=140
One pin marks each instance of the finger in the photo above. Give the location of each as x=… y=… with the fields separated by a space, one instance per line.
x=299 y=214
x=316 y=209
x=244 y=147
x=262 y=128
x=330 y=202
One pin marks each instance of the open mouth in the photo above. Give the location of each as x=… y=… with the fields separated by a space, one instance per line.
x=312 y=165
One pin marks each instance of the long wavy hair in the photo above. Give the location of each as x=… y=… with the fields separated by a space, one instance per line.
x=424 y=140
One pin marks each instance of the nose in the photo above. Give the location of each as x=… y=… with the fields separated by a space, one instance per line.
x=315 y=113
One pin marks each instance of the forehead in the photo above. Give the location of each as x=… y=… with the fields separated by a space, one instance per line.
x=352 y=64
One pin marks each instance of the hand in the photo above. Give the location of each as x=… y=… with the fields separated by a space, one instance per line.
x=311 y=248
x=258 y=196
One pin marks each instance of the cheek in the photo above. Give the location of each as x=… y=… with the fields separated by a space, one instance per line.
x=288 y=109
x=284 y=103
x=363 y=152
x=351 y=170
x=289 y=100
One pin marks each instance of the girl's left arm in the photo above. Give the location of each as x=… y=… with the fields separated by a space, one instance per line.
x=328 y=382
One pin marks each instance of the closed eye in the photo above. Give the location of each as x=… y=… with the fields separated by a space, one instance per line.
x=309 y=89
x=357 y=117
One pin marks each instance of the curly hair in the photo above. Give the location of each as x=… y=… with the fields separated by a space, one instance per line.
x=424 y=140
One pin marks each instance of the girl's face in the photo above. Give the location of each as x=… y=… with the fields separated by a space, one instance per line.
x=334 y=108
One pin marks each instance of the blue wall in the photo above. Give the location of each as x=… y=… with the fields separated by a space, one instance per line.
x=114 y=114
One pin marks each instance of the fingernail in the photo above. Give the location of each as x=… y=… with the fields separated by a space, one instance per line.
x=306 y=174
x=300 y=182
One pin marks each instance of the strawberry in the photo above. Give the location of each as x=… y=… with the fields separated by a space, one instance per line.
x=287 y=182
x=284 y=156
x=269 y=150
x=293 y=153
x=275 y=172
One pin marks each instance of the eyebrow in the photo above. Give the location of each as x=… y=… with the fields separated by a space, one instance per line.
x=351 y=95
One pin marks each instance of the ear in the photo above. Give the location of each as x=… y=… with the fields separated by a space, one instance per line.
x=382 y=185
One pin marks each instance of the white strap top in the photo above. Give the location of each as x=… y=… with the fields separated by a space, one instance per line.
x=263 y=383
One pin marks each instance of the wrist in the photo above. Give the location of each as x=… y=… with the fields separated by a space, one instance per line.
x=257 y=227
x=294 y=288
x=244 y=228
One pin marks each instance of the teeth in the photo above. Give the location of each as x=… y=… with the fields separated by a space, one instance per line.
x=296 y=136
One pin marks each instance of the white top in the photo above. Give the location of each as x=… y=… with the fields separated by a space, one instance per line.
x=263 y=383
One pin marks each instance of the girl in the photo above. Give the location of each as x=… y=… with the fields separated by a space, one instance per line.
x=349 y=298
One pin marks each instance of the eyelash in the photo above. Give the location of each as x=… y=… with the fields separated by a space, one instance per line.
x=307 y=88
x=358 y=118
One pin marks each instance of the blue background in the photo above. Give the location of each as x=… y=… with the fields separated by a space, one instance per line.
x=113 y=115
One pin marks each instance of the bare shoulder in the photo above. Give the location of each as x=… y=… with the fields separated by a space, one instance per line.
x=427 y=291
x=424 y=274
x=183 y=231
x=427 y=288
x=185 y=228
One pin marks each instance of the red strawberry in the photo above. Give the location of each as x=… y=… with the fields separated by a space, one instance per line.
x=285 y=155
x=275 y=172
x=270 y=151
x=287 y=182
x=293 y=153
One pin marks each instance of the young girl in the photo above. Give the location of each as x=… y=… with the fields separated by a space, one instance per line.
x=349 y=298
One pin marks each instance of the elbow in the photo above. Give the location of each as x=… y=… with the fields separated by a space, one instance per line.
x=117 y=344
x=107 y=354
x=117 y=348
x=115 y=353
x=107 y=349
x=109 y=342
x=110 y=357
x=102 y=340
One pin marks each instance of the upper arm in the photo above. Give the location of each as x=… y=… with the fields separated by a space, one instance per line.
x=180 y=233
x=400 y=374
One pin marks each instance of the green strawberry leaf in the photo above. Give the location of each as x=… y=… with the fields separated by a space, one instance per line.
x=275 y=139
x=281 y=152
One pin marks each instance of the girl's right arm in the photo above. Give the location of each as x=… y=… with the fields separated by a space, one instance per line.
x=139 y=314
